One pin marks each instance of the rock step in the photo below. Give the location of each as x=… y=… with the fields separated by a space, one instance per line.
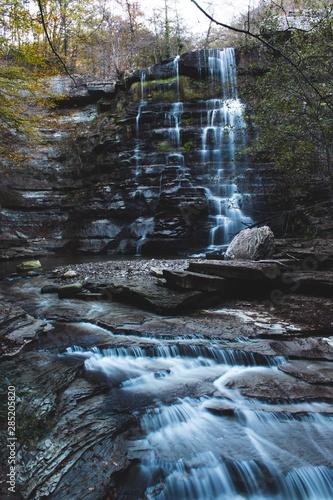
x=195 y=281
x=313 y=372
x=239 y=270
x=222 y=407
x=148 y=295
x=310 y=282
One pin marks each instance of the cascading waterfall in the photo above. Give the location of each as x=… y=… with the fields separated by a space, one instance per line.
x=222 y=65
x=223 y=134
x=223 y=131
x=198 y=438
x=176 y=66
x=142 y=104
x=143 y=225
x=176 y=158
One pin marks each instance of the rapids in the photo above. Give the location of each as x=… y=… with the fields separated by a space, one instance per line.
x=198 y=437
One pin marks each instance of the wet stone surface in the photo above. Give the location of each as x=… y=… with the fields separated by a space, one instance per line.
x=118 y=401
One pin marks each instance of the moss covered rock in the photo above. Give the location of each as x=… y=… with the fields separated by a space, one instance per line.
x=28 y=265
x=69 y=291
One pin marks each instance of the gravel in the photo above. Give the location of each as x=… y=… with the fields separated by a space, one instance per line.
x=125 y=269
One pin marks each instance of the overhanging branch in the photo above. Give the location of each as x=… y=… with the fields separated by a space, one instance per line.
x=41 y=11
x=262 y=40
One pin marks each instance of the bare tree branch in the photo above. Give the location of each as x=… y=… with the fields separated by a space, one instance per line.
x=275 y=50
x=40 y=6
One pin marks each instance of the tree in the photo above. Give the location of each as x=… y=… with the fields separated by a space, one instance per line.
x=290 y=91
x=170 y=36
x=17 y=81
x=295 y=112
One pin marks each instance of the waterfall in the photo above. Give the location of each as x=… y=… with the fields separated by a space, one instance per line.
x=176 y=158
x=142 y=228
x=223 y=131
x=231 y=357
x=172 y=119
x=197 y=437
x=223 y=134
x=222 y=66
x=176 y=66
x=142 y=104
x=193 y=147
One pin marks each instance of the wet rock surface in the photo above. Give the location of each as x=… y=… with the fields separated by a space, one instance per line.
x=315 y=372
x=118 y=172
x=272 y=387
x=89 y=373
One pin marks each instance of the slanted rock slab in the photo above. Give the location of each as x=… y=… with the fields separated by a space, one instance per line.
x=271 y=385
x=306 y=348
x=158 y=298
x=195 y=281
x=313 y=372
x=69 y=291
x=50 y=289
x=314 y=282
x=224 y=407
x=237 y=269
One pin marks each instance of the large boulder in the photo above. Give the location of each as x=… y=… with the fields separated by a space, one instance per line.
x=252 y=244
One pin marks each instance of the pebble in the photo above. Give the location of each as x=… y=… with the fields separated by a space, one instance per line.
x=112 y=269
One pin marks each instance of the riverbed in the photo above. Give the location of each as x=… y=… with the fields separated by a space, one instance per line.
x=231 y=401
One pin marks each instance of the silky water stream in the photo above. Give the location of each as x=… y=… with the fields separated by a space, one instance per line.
x=223 y=136
x=215 y=132
x=203 y=421
x=198 y=438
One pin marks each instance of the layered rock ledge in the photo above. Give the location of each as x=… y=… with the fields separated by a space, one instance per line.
x=72 y=424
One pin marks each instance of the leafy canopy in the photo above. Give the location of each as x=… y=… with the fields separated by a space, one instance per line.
x=290 y=89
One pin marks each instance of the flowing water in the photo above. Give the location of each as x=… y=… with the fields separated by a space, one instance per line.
x=194 y=434
x=220 y=134
x=223 y=136
x=193 y=431
x=197 y=437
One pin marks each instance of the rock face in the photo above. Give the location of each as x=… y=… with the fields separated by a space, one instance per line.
x=252 y=244
x=123 y=168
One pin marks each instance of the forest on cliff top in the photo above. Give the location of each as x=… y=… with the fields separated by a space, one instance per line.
x=287 y=85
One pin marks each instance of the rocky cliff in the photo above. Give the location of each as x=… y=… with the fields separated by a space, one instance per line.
x=151 y=165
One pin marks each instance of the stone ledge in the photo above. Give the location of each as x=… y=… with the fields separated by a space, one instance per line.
x=238 y=269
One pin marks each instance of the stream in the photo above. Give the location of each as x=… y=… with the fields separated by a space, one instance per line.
x=167 y=407
x=197 y=436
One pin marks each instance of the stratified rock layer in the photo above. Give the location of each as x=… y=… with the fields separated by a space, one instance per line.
x=89 y=372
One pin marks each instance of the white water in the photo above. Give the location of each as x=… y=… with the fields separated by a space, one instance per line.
x=223 y=135
x=176 y=159
x=185 y=451
x=137 y=151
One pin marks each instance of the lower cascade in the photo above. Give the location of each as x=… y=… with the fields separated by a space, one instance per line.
x=197 y=437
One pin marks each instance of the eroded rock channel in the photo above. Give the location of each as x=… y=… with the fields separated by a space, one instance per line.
x=208 y=396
